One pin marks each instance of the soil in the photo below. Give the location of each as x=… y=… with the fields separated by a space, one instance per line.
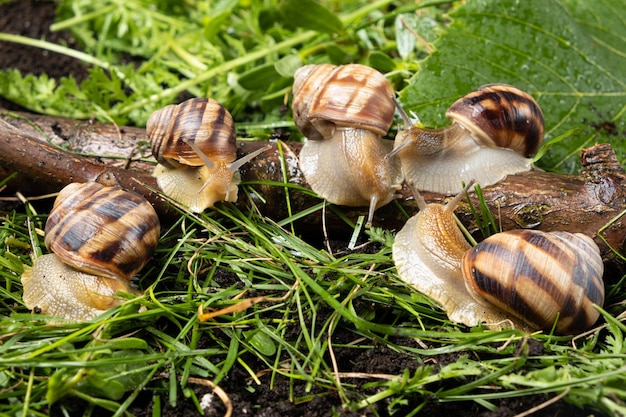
x=32 y=18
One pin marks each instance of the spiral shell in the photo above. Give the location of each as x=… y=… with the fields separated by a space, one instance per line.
x=501 y=115
x=328 y=96
x=196 y=147
x=494 y=131
x=539 y=277
x=102 y=230
x=524 y=279
x=202 y=121
x=344 y=111
x=99 y=237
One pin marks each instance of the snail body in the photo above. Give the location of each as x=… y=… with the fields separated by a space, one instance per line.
x=99 y=237
x=344 y=111
x=496 y=129
x=195 y=146
x=526 y=279
x=71 y=294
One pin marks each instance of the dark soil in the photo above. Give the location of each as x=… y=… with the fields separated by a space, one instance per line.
x=32 y=18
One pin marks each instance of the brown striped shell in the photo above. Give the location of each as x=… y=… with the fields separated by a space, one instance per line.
x=327 y=96
x=501 y=115
x=539 y=277
x=195 y=145
x=523 y=279
x=344 y=111
x=103 y=231
x=202 y=121
x=495 y=129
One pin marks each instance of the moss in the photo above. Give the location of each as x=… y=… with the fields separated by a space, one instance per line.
x=530 y=215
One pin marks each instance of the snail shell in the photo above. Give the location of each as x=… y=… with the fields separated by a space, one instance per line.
x=495 y=130
x=344 y=111
x=195 y=146
x=524 y=279
x=202 y=122
x=544 y=276
x=102 y=230
x=100 y=237
x=328 y=96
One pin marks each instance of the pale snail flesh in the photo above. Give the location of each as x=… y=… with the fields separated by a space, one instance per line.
x=524 y=279
x=344 y=111
x=496 y=129
x=195 y=146
x=99 y=238
x=70 y=293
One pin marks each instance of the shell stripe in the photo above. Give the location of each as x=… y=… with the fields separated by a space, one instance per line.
x=508 y=111
x=182 y=125
x=202 y=121
x=494 y=290
x=526 y=273
x=348 y=96
x=341 y=94
x=113 y=219
x=215 y=118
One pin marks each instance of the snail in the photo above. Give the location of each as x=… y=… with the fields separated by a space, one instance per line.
x=495 y=130
x=527 y=278
x=195 y=146
x=99 y=238
x=344 y=111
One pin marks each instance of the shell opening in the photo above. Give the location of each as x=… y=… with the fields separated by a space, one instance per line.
x=205 y=159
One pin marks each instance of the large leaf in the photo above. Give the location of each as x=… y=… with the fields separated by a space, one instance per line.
x=569 y=54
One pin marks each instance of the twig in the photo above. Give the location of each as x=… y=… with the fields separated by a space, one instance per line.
x=217 y=390
x=243 y=304
x=543 y=404
x=429 y=48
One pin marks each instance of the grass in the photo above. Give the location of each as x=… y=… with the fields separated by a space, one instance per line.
x=232 y=294
x=276 y=304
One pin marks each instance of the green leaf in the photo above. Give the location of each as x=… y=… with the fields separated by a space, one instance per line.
x=288 y=65
x=261 y=342
x=404 y=39
x=309 y=14
x=110 y=380
x=568 y=54
x=258 y=77
x=381 y=61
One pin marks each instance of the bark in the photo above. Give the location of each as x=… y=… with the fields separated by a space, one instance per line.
x=48 y=153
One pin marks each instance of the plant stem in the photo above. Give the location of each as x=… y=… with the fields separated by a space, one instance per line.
x=250 y=57
x=76 y=20
x=60 y=49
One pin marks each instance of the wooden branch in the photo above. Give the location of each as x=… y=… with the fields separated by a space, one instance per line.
x=49 y=153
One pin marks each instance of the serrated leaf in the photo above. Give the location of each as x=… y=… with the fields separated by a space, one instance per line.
x=547 y=376
x=568 y=55
x=110 y=381
x=309 y=14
